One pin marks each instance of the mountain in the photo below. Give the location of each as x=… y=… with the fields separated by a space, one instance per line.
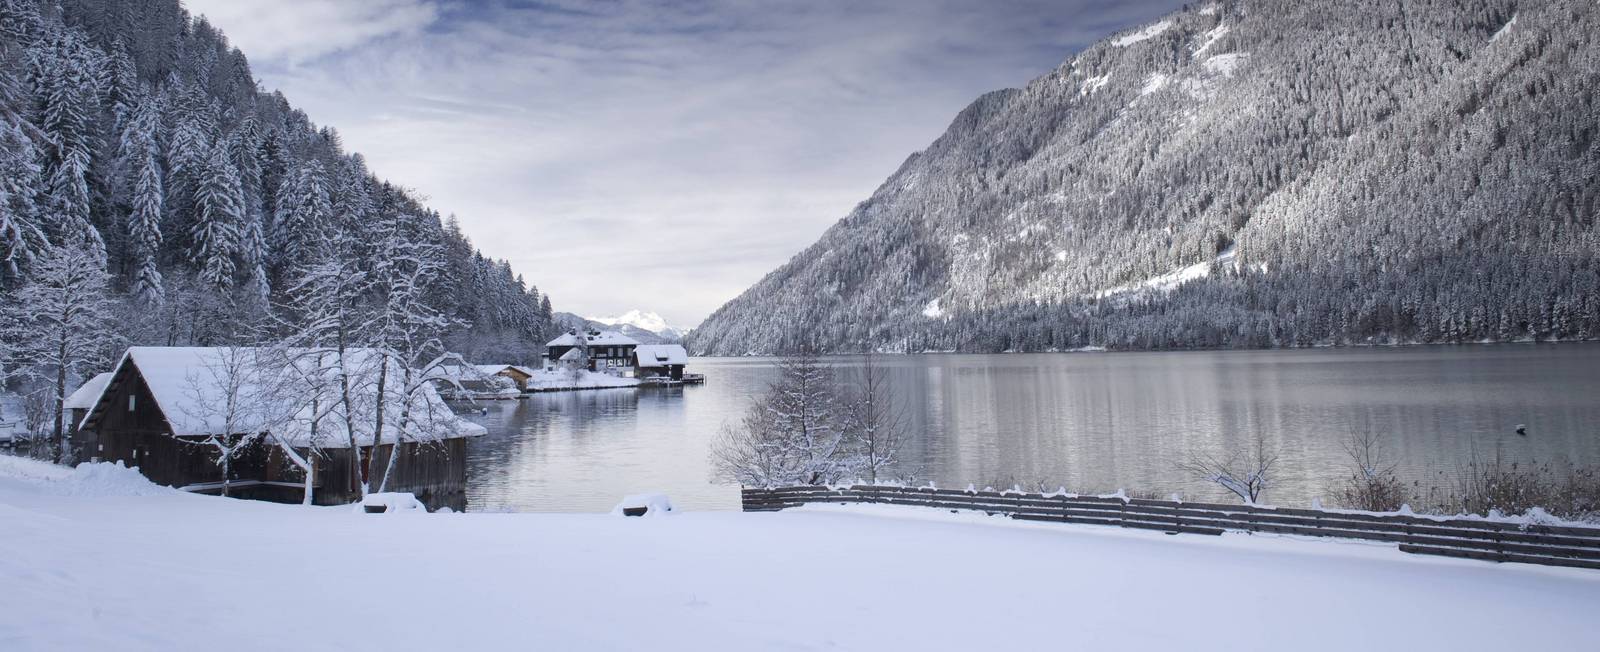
x=646 y=327
x=1241 y=174
x=136 y=132
x=647 y=321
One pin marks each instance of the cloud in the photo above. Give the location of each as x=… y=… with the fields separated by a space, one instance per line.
x=295 y=31
x=662 y=156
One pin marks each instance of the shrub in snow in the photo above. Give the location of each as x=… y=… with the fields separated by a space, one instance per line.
x=643 y=505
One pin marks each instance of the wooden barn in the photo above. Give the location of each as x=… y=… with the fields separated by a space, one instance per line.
x=161 y=407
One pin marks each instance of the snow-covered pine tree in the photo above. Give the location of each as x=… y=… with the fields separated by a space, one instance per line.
x=219 y=225
x=304 y=217
x=140 y=150
x=189 y=147
x=21 y=235
x=144 y=232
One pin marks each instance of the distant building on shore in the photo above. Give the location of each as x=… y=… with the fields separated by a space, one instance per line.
x=660 y=361
x=607 y=351
x=517 y=374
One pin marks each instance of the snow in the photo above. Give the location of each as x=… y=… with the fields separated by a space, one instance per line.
x=601 y=338
x=1153 y=83
x=1171 y=280
x=183 y=380
x=84 y=480
x=1225 y=64
x=933 y=310
x=1503 y=28
x=492 y=369
x=86 y=396
x=1093 y=84
x=562 y=379
x=1145 y=34
x=1211 y=38
x=643 y=320
x=392 y=503
x=174 y=571
x=1209 y=10
x=654 y=504
x=650 y=355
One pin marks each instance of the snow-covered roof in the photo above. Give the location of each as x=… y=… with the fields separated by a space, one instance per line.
x=190 y=385
x=653 y=355
x=594 y=338
x=88 y=394
x=492 y=369
x=571 y=355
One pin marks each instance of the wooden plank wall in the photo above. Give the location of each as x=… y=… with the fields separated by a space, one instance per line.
x=1534 y=544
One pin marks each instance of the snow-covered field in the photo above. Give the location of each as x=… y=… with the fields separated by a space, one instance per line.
x=98 y=559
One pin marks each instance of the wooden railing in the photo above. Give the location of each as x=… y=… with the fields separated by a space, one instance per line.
x=1552 y=545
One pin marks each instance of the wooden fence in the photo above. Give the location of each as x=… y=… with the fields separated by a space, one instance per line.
x=1551 y=545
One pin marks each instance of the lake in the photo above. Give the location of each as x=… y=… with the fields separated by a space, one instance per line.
x=1092 y=422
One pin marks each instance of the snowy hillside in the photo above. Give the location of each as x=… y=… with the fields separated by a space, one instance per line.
x=135 y=136
x=1403 y=171
x=261 y=576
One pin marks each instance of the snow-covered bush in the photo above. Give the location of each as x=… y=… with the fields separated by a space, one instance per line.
x=652 y=504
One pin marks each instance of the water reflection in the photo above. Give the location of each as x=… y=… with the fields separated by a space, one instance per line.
x=1088 y=421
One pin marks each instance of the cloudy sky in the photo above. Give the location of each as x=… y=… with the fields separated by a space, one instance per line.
x=664 y=156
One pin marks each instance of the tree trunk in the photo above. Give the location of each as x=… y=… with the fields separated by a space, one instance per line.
x=58 y=440
x=356 y=468
x=311 y=480
x=377 y=433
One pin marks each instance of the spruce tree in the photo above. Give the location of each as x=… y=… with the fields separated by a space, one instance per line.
x=219 y=225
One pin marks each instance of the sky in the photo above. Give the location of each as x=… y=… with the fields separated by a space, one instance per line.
x=661 y=156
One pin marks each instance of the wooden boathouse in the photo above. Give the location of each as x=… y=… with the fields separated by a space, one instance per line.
x=156 y=412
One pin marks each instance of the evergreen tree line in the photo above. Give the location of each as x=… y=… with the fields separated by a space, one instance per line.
x=135 y=143
x=1413 y=171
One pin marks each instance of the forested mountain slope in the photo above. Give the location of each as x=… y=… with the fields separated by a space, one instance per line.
x=136 y=135
x=1241 y=174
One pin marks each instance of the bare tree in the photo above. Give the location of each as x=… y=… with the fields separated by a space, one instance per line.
x=59 y=324
x=302 y=382
x=408 y=330
x=1245 y=473
x=327 y=317
x=1373 y=486
x=876 y=422
x=226 y=399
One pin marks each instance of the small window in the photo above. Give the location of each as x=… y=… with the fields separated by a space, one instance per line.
x=130 y=401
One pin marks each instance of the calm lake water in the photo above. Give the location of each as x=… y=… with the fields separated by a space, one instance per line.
x=1086 y=421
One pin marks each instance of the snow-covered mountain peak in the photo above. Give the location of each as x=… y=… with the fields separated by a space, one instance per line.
x=643 y=320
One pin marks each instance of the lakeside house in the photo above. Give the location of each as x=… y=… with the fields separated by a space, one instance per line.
x=161 y=408
x=605 y=351
x=660 y=361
